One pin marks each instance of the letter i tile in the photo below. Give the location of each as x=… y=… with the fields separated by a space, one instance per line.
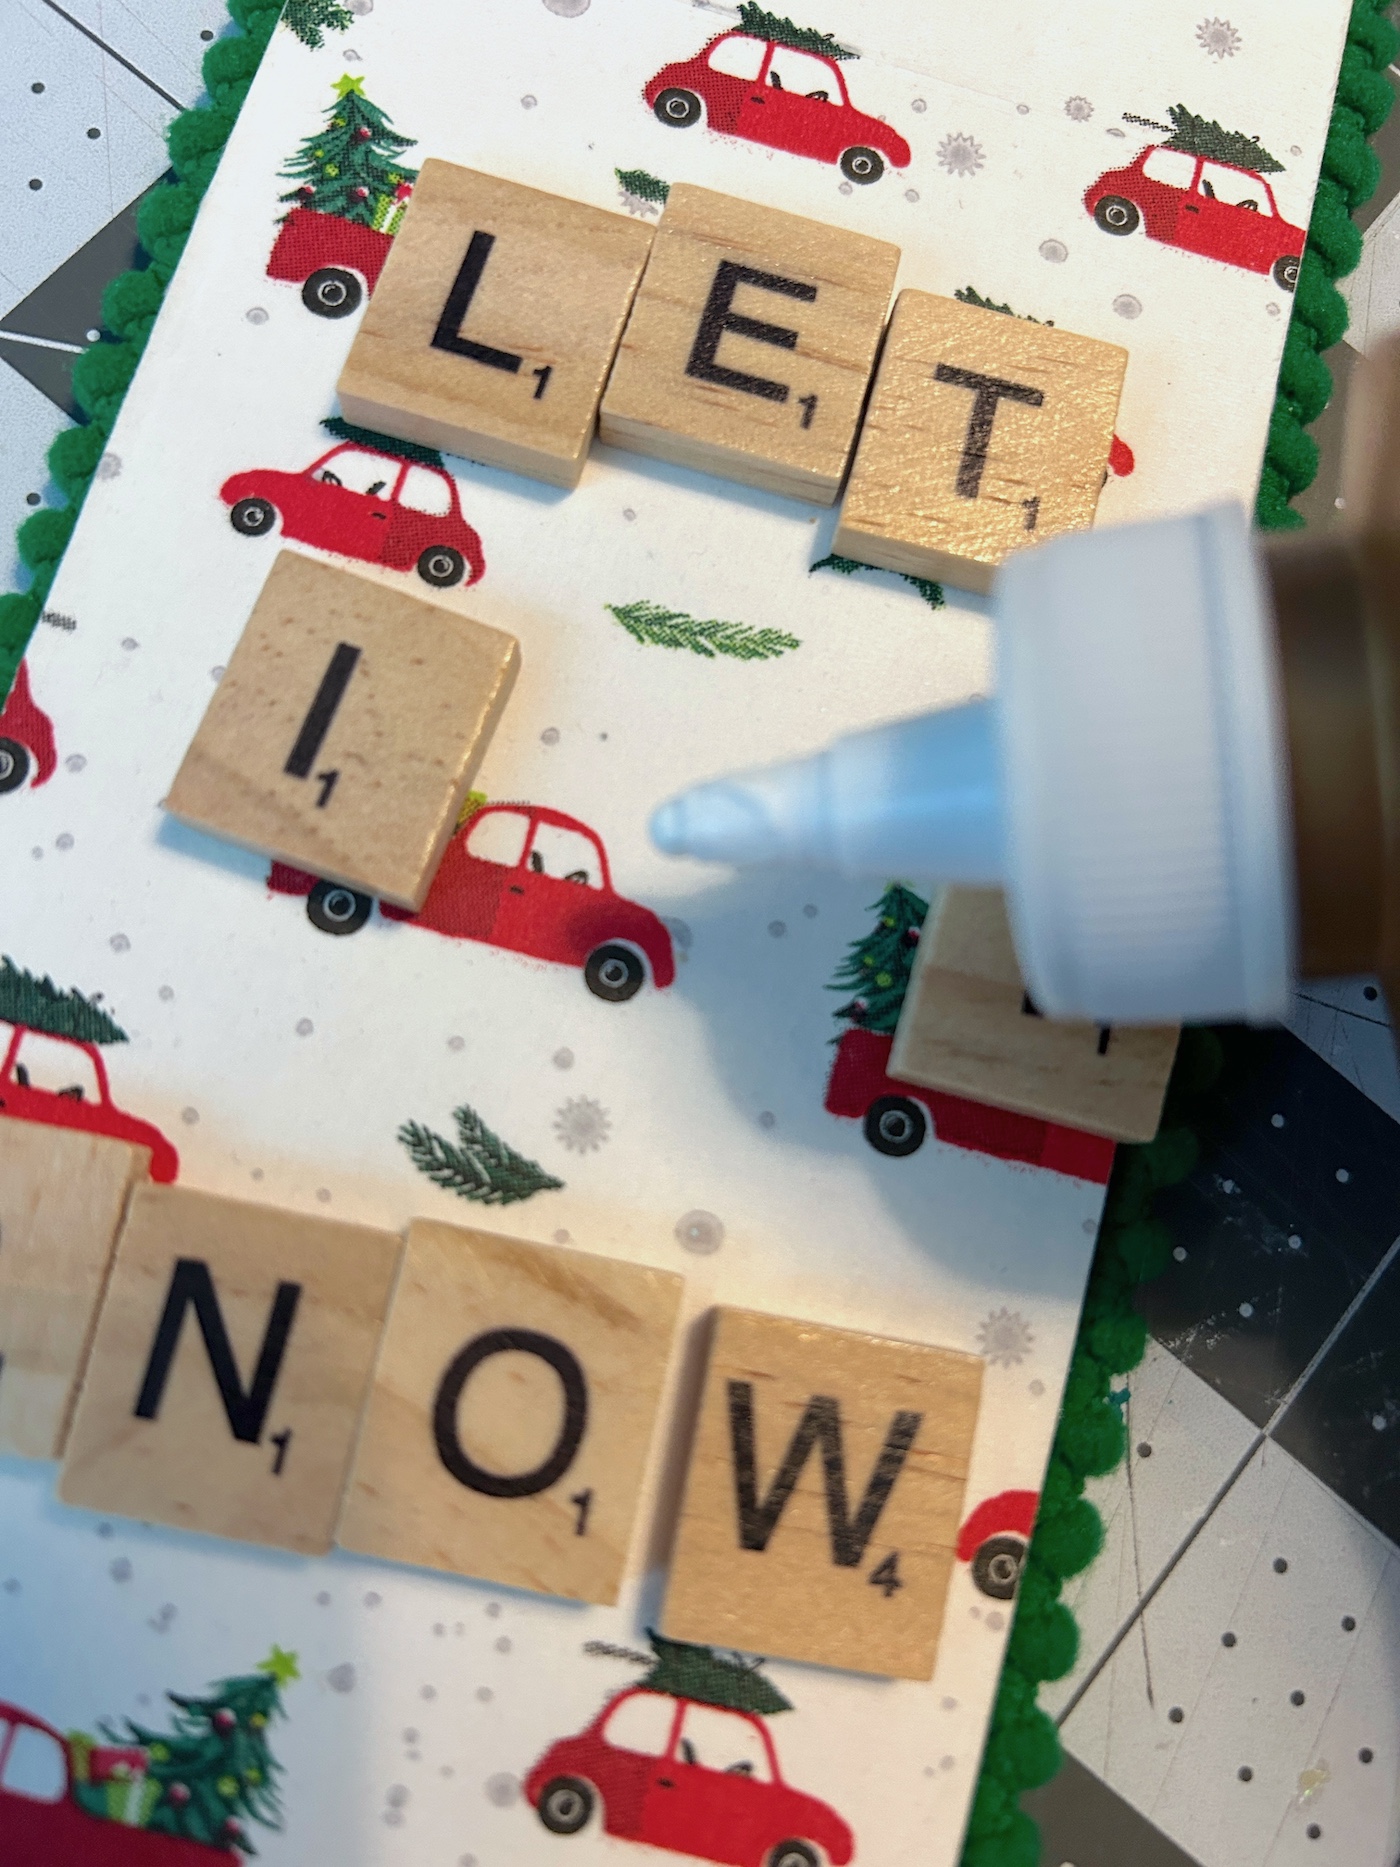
x=825 y=1490
x=230 y=1368
x=513 y=1411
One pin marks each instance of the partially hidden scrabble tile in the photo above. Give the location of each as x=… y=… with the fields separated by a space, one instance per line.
x=824 y=1495
x=751 y=344
x=985 y=433
x=229 y=1371
x=494 y=323
x=513 y=1410
x=347 y=728
x=968 y=1026
x=62 y=1196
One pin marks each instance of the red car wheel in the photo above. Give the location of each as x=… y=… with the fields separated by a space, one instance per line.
x=678 y=109
x=1285 y=273
x=614 y=973
x=793 y=1854
x=255 y=518
x=1115 y=215
x=566 y=1804
x=332 y=292
x=862 y=166
x=14 y=765
x=895 y=1125
x=442 y=566
x=997 y=1566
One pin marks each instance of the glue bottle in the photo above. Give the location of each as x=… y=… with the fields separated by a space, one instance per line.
x=1187 y=783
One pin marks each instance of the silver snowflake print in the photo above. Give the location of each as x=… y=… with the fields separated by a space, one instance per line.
x=960 y=154
x=1218 y=37
x=1078 y=109
x=582 y=1124
x=1005 y=1338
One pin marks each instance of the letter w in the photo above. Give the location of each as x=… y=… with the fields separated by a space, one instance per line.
x=821 y=1422
x=191 y=1286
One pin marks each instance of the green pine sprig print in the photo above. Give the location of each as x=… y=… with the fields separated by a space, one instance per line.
x=644 y=186
x=341 y=430
x=479 y=1166
x=311 y=20
x=655 y=626
x=969 y=295
x=1203 y=136
x=43 y=1006
x=931 y=592
x=765 y=25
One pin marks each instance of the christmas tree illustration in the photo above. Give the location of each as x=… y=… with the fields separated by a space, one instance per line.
x=341 y=430
x=311 y=20
x=765 y=25
x=351 y=166
x=877 y=968
x=687 y=1671
x=1203 y=136
x=215 y=1772
x=44 y=1006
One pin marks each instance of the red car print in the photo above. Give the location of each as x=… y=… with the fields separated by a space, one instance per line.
x=994 y=1540
x=334 y=261
x=42 y=1825
x=896 y=1117
x=1207 y=207
x=26 y=738
x=83 y=1103
x=525 y=878
x=695 y=1778
x=385 y=510
x=742 y=85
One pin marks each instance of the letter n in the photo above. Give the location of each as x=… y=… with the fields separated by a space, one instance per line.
x=192 y=1287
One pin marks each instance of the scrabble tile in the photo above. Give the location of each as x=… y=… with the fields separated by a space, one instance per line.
x=968 y=1026
x=62 y=1196
x=824 y=1495
x=751 y=344
x=494 y=323
x=984 y=433
x=513 y=1410
x=345 y=733
x=230 y=1367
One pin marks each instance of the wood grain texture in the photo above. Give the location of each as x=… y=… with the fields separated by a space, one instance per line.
x=856 y=1580
x=535 y=283
x=334 y=674
x=968 y=1027
x=62 y=1197
x=789 y=422
x=513 y=1411
x=168 y=1449
x=985 y=433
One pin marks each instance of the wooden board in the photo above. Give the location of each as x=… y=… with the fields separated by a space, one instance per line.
x=493 y=327
x=750 y=347
x=229 y=1370
x=62 y=1196
x=968 y=1026
x=824 y=1495
x=985 y=433
x=347 y=728
x=513 y=1410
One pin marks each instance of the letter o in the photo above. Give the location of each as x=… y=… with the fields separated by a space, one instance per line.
x=460 y=1370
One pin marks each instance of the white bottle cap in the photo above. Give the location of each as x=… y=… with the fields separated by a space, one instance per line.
x=1149 y=842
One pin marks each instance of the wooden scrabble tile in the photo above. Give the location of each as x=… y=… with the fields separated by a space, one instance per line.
x=968 y=1026
x=230 y=1367
x=62 y=1196
x=494 y=323
x=984 y=433
x=512 y=1413
x=347 y=728
x=824 y=1495
x=750 y=347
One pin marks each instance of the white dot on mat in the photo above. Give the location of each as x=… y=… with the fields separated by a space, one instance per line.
x=1227 y=1186
x=1127 y=306
x=1246 y=1310
x=1276 y=1121
x=93 y=336
x=305 y=1027
x=1378 y=1422
x=1179 y=1253
x=1055 y=251
x=255 y=314
x=1295 y=1243
x=1343 y=1175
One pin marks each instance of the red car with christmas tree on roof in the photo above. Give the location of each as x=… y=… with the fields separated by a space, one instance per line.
x=684 y=1760
x=349 y=201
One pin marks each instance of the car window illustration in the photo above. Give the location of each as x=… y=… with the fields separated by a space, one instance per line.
x=361 y=472
x=34 y=1766
x=723 y=1741
x=809 y=77
x=566 y=855
x=60 y=1068
x=738 y=57
x=1172 y=166
x=499 y=837
x=1234 y=187
x=642 y=1722
x=426 y=491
